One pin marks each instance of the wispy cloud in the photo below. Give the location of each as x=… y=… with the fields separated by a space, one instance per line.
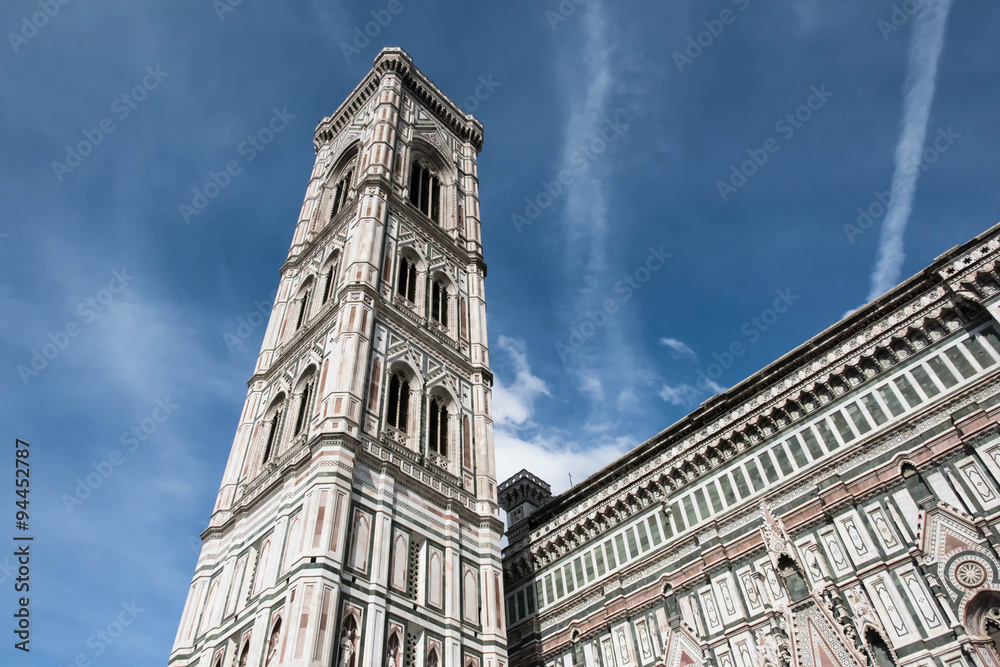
x=679 y=348
x=682 y=394
x=548 y=452
x=514 y=404
x=926 y=44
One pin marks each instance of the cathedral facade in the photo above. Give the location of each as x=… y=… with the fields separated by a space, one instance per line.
x=358 y=523
x=839 y=508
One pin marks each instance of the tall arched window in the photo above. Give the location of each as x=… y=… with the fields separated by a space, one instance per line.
x=305 y=300
x=438 y=429
x=878 y=649
x=244 y=656
x=398 y=405
x=341 y=191
x=466 y=444
x=271 y=654
x=303 y=415
x=273 y=427
x=406 y=284
x=439 y=302
x=425 y=191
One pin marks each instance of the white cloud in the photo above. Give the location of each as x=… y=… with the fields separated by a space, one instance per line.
x=680 y=348
x=926 y=44
x=514 y=404
x=684 y=395
x=592 y=386
x=553 y=460
x=689 y=395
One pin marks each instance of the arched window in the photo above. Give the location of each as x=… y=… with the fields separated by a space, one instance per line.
x=305 y=301
x=878 y=650
x=341 y=191
x=425 y=191
x=273 y=427
x=271 y=654
x=438 y=429
x=392 y=655
x=794 y=582
x=466 y=444
x=439 y=302
x=245 y=654
x=406 y=284
x=432 y=658
x=326 y=280
x=348 y=642
x=399 y=401
x=303 y=413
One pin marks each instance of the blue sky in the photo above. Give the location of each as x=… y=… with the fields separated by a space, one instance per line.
x=642 y=126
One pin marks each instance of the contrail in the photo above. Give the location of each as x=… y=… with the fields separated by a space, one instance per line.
x=925 y=52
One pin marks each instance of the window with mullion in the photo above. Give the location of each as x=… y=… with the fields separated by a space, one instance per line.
x=439 y=303
x=438 y=428
x=399 y=401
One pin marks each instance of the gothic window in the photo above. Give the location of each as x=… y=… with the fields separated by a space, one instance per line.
x=245 y=655
x=271 y=653
x=303 y=413
x=272 y=426
x=877 y=650
x=406 y=284
x=399 y=401
x=305 y=300
x=341 y=191
x=218 y=662
x=392 y=655
x=425 y=191
x=466 y=444
x=438 y=428
x=432 y=658
x=348 y=645
x=439 y=302
x=327 y=279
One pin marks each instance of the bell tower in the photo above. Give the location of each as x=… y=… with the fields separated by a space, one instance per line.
x=357 y=523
